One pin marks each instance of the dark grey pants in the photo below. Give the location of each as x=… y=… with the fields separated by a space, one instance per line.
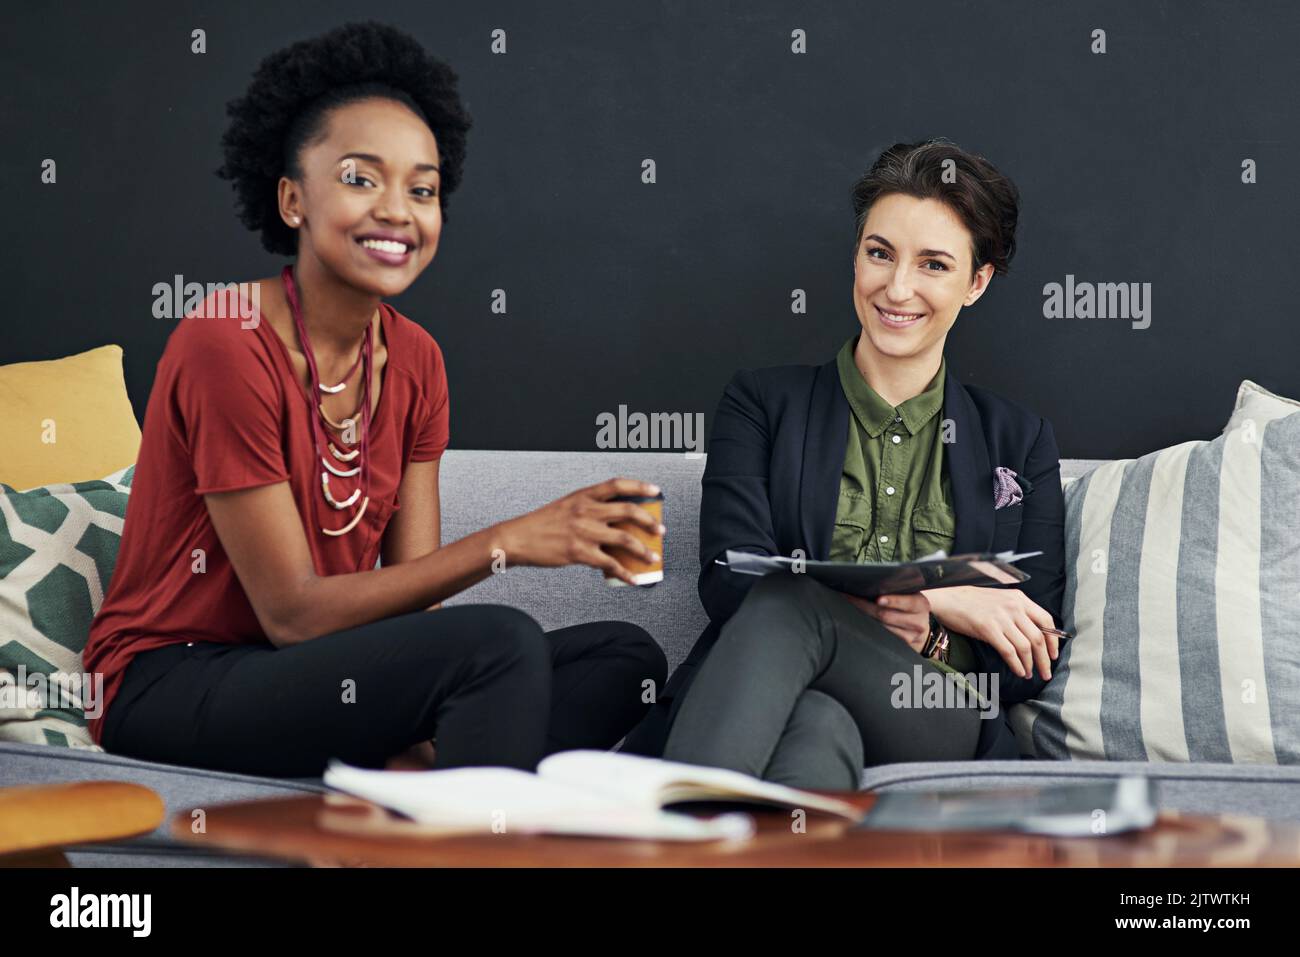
x=801 y=688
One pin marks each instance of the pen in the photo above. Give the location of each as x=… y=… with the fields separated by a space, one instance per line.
x=1053 y=631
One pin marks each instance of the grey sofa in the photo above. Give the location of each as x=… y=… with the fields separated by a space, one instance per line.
x=480 y=488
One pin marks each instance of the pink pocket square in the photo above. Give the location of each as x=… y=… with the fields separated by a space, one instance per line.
x=1006 y=487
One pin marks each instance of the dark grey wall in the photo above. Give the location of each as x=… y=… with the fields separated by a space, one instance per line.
x=1129 y=164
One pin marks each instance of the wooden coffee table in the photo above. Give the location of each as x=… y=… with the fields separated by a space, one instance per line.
x=38 y=821
x=336 y=830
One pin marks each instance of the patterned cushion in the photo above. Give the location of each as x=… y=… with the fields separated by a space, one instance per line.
x=58 y=545
x=1183 y=567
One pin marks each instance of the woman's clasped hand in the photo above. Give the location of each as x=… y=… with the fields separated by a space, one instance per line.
x=1006 y=619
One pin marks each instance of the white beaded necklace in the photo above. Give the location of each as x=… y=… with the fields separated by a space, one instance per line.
x=320 y=419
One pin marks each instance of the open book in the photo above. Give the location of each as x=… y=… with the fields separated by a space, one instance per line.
x=586 y=792
x=872 y=579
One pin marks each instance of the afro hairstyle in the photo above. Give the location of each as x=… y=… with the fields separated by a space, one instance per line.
x=286 y=107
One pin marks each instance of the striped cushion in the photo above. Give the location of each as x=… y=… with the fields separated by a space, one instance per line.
x=1183 y=592
x=1259 y=406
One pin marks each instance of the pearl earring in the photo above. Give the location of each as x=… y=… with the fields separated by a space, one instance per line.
x=295 y=220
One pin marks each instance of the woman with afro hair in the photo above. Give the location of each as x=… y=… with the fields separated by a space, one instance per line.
x=276 y=600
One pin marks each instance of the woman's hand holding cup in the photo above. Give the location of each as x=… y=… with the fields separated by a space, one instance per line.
x=576 y=530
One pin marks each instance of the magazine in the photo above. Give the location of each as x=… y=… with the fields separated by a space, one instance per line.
x=872 y=579
x=1063 y=810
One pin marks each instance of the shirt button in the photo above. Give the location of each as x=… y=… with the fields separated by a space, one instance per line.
x=884 y=538
x=897 y=439
x=889 y=490
x=898 y=418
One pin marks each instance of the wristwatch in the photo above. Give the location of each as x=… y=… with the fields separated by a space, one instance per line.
x=936 y=643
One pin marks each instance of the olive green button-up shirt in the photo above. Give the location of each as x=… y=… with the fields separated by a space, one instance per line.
x=895 y=501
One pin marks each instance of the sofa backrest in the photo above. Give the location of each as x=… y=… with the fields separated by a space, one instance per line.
x=481 y=488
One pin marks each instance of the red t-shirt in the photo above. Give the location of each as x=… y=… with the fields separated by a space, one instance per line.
x=227 y=412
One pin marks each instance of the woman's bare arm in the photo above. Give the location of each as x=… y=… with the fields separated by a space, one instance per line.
x=262 y=533
x=263 y=536
x=416 y=529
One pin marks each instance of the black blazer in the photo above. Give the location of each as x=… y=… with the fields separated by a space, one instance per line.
x=771 y=485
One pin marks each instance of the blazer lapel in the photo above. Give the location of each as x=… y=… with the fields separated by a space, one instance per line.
x=826 y=436
x=969 y=473
x=825 y=439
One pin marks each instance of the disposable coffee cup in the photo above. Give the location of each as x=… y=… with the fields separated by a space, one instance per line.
x=643 y=572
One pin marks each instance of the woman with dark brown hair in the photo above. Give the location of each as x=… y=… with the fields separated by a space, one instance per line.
x=880 y=454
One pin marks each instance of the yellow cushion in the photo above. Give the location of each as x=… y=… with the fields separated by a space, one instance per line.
x=65 y=420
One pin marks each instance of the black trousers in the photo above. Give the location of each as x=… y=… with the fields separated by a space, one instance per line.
x=803 y=688
x=483 y=681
